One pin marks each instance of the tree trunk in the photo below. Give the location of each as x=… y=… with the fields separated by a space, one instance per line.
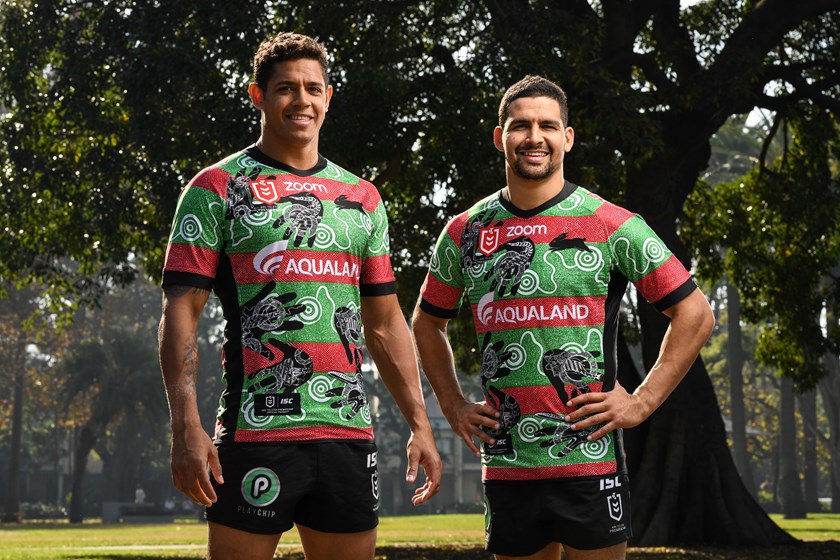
x=735 y=365
x=12 y=506
x=790 y=486
x=830 y=390
x=87 y=439
x=810 y=471
x=685 y=487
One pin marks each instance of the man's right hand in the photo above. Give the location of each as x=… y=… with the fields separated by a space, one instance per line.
x=467 y=419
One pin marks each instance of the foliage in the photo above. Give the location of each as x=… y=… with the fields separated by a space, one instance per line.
x=776 y=233
x=761 y=402
x=101 y=132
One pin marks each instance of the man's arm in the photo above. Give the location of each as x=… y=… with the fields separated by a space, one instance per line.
x=192 y=449
x=691 y=325
x=389 y=342
x=465 y=418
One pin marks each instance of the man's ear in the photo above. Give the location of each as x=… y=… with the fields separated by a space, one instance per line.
x=256 y=94
x=329 y=96
x=497 y=139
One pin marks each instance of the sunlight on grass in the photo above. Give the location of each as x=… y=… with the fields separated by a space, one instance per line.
x=187 y=540
x=816 y=527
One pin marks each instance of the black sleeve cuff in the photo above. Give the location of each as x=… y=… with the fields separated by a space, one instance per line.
x=436 y=311
x=386 y=289
x=676 y=296
x=174 y=278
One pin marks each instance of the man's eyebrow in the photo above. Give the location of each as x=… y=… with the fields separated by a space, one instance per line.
x=295 y=82
x=542 y=122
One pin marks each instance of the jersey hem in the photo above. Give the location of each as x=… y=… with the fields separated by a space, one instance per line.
x=439 y=312
x=676 y=296
x=178 y=278
x=385 y=289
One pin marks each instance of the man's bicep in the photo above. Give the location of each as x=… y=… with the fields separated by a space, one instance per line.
x=379 y=310
x=179 y=299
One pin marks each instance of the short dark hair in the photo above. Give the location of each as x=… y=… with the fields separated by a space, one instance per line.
x=534 y=86
x=287 y=46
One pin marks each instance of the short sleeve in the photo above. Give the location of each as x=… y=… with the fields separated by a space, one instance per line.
x=443 y=288
x=647 y=262
x=377 y=277
x=196 y=238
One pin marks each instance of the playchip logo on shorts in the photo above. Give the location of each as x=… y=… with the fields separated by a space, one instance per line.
x=260 y=486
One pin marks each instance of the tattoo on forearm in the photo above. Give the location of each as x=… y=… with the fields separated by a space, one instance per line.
x=190 y=369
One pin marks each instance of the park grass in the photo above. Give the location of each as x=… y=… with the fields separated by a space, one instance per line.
x=432 y=537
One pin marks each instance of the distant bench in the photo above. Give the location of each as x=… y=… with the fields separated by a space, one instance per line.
x=129 y=512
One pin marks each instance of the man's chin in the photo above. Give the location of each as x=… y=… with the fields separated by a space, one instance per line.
x=534 y=173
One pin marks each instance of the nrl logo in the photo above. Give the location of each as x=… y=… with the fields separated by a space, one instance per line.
x=265 y=191
x=614 y=505
x=488 y=240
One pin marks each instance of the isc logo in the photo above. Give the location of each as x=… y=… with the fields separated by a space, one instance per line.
x=610 y=483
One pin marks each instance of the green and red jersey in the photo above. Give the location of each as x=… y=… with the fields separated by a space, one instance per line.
x=288 y=253
x=545 y=287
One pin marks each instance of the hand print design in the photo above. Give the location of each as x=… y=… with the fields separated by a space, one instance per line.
x=571 y=368
x=348 y=323
x=291 y=372
x=240 y=199
x=470 y=236
x=562 y=434
x=511 y=267
x=303 y=216
x=267 y=312
x=493 y=362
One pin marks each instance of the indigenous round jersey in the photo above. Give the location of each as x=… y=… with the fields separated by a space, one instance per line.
x=545 y=288
x=288 y=253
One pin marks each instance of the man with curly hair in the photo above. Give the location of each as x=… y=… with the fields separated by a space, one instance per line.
x=297 y=251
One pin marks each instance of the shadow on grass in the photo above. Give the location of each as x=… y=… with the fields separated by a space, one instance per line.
x=806 y=550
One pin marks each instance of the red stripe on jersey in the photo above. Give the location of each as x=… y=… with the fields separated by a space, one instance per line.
x=543 y=398
x=533 y=313
x=455 y=229
x=191 y=258
x=612 y=216
x=545 y=229
x=377 y=270
x=439 y=294
x=537 y=398
x=354 y=197
x=326 y=356
x=303 y=434
x=295 y=265
x=213 y=179
x=662 y=281
x=541 y=473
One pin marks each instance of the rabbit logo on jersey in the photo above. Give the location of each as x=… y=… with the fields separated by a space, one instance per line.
x=260 y=487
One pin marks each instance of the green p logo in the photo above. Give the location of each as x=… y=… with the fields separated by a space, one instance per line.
x=260 y=487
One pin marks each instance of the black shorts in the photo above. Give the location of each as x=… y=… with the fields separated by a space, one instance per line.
x=523 y=516
x=330 y=487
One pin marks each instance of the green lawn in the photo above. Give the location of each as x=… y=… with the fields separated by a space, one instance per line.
x=185 y=540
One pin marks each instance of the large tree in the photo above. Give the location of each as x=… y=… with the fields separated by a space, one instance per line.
x=114 y=104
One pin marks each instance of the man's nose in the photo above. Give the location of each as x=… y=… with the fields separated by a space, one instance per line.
x=301 y=96
x=535 y=134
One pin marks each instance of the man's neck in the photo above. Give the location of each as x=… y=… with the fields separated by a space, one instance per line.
x=303 y=157
x=527 y=194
